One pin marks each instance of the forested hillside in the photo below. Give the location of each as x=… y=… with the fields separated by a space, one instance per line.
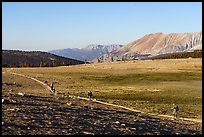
x=16 y=58
x=194 y=54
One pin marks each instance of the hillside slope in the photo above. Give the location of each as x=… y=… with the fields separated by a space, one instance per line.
x=16 y=58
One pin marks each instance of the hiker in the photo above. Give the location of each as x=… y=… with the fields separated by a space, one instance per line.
x=175 y=110
x=53 y=90
x=52 y=86
x=89 y=94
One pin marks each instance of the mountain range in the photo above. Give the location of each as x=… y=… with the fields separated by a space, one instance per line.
x=150 y=45
x=89 y=52
x=155 y=44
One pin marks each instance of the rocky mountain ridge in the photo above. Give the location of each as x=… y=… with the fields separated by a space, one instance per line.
x=155 y=44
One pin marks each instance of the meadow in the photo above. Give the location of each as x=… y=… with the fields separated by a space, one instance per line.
x=151 y=86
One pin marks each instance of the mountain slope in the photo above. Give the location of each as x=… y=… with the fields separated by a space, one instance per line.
x=89 y=53
x=156 y=44
x=16 y=58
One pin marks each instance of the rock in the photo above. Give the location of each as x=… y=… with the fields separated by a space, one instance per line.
x=25 y=117
x=122 y=124
x=62 y=97
x=133 y=128
x=11 y=109
x=69 y=96
x=88 y=133
x=13 y=101
x=21 y=94
x=17 y=109
x=69 y=103
x=117 y=122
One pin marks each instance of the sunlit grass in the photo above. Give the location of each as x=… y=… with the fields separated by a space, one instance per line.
x=151 y=86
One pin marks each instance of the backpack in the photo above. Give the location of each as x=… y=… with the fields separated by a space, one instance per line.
x=89 y=93
x=177 y=108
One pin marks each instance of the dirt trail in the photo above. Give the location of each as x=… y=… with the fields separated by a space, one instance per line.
x=33 y=79
x=114 y=105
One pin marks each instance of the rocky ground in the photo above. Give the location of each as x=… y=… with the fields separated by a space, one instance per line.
x=27 y=114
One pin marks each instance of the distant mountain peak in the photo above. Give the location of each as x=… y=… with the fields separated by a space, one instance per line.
x=89 y=52
x=155 y=44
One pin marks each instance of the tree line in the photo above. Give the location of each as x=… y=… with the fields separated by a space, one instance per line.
x=194 y=54
x=15 y=58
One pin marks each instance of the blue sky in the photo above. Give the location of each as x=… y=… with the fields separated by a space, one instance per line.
x=47 y=26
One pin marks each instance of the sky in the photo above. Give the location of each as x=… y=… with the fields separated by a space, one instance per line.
x=46 y=26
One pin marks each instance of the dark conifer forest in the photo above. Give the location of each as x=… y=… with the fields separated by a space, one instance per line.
x=16 y=58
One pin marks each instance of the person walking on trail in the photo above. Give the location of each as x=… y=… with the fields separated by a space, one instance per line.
x=175 y=110
x=90 y=94
x=52 y=86
x=53 y=90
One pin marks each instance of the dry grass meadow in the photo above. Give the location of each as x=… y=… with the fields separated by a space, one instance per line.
x=146 y=85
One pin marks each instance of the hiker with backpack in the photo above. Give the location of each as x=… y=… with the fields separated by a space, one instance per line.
x=90 y=94
x=175 y=111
